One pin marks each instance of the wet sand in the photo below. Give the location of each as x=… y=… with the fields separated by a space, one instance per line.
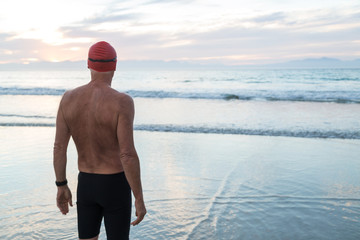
x=197 y=186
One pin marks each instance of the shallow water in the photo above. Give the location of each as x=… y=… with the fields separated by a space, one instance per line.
x=197 y=186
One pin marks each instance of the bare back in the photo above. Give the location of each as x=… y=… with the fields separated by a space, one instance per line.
x=100 y=121
x=92 y=113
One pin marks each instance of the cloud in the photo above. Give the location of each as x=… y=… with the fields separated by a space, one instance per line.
x=16 y=49
x=169 y=1
x=149 y=31
x=273 y=17
x=128 y=46
x=290 y=36
x=110 y=18
x=25 y=50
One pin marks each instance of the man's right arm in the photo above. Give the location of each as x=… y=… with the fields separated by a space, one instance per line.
x=62 y=138
x=129 y=157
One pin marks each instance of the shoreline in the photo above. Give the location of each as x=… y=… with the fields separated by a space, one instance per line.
x=216 y=131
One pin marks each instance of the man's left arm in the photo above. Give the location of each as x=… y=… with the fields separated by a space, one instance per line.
x=62 y=137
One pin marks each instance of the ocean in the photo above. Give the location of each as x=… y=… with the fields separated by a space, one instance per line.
x=225 y=154
x=320 y=103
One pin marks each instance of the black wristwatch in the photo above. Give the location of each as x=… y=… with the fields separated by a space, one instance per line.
x=59 y=184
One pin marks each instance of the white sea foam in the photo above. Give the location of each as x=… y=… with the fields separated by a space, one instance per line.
x=265 y=95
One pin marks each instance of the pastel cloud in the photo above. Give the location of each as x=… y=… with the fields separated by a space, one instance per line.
x=201 y=31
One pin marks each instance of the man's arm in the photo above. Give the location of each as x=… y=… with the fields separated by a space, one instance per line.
x=129 y=157
x=62 y=138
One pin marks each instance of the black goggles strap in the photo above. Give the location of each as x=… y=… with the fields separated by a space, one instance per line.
x=103 y=60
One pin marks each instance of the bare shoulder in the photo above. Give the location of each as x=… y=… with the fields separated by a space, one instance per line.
x=69 y=94
x=124 y=101
x=66 y=97
x=122 y=97
x=126 y=98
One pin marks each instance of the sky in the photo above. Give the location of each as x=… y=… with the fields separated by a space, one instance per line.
x=231 y=32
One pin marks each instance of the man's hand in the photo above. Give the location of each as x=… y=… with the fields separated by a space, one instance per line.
x=63 y=199
x=140 y=211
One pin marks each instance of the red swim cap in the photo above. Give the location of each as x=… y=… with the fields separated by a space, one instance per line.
x=102 y=57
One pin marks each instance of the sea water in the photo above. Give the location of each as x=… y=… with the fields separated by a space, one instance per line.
x=238 y=154
x=321 y=103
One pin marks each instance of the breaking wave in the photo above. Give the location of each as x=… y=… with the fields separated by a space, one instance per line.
x=215 y=130
x=265 y=95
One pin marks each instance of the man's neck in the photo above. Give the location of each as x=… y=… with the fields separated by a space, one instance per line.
x=101 y=77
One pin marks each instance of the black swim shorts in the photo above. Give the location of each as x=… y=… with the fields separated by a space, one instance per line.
x=103 y=195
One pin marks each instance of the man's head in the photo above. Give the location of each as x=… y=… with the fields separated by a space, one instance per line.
x=102 y=57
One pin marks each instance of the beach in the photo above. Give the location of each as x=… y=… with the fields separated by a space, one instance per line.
x=247 y=154
x=246 y=118
x=197 y=186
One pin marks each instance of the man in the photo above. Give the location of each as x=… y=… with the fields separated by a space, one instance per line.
x=100 y=121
